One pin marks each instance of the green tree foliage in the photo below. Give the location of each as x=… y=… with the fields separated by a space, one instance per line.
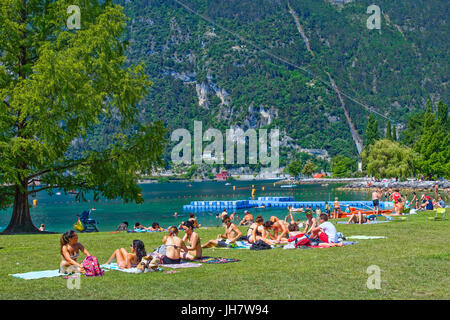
x=55 y=86
x=343 y=166
x=433 y=145
x=294 y=168
x=388 y=130
x=414 y=129
x=372 y=133
x=309 y=168
x=389 y=159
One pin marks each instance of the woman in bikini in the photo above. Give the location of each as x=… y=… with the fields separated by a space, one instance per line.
x=70 y=251
x=195 y=247
x=256 y=230
x=336 y=208
x=173 y=245
x=126 y=260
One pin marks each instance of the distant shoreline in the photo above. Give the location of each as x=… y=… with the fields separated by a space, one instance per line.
x=418 y=185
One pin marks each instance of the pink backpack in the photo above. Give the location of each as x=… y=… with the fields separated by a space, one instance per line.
x=90 y=265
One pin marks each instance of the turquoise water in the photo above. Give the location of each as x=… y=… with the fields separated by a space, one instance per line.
x=58 y=212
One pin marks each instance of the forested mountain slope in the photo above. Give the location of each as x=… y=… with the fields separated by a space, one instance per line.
x=227 y=73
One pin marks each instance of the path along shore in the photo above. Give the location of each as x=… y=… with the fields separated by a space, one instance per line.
x=423 y=186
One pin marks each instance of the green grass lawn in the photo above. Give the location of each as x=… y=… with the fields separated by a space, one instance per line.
x=414 y=262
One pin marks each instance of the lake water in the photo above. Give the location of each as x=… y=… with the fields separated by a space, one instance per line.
x=58 y=212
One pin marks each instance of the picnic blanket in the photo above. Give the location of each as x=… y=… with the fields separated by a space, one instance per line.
x=346 y=243
x=113 y=266
x=240 y=244
x=292 y=245
x=366 y=237
x=214 y=260
x=371 y=222
x=38 y=274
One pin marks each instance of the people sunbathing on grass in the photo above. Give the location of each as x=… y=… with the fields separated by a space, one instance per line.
x=123 y=226
x=256 y=231
x=357 y=217
x=310 y=223
x=173 y=246
x=194 y=250
x=70 y=251
x=155 y=227
x=279 y=228
x=325 y=233
x=232 y=233
x=139 y=226
x=125 y=259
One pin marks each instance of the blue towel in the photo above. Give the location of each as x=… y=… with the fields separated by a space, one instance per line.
x=38 y=274
x=113 y=266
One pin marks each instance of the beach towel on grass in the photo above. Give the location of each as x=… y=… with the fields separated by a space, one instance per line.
x=213 y=260
x=371 y=222
x=183 y=264
x=239 y=245
x=366 y=237
x=38 y=274
x=142 y=230
x=113 y=266
x=292 y=245
x=346 y=243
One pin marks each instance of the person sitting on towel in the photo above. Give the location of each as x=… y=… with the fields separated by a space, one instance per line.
x=232 y=233
x=310 y=223
x=70 y=251
x=357 y=217
x=195 y=247
x=127 y=260
x=173 y=245
x=277 y=227
x=326 y=233
x=256 y=231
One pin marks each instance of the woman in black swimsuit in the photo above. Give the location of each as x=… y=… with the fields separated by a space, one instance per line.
x=173 y=244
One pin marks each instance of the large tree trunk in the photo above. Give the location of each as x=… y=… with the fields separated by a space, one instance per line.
x=21 y=219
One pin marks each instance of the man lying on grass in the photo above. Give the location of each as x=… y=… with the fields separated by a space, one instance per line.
x=232 y=233
x=357 y=217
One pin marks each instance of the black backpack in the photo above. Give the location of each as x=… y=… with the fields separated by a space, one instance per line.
x=260 y=245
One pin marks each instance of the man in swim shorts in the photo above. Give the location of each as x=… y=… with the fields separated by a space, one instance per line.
x=376 y=195
x=232 y=233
